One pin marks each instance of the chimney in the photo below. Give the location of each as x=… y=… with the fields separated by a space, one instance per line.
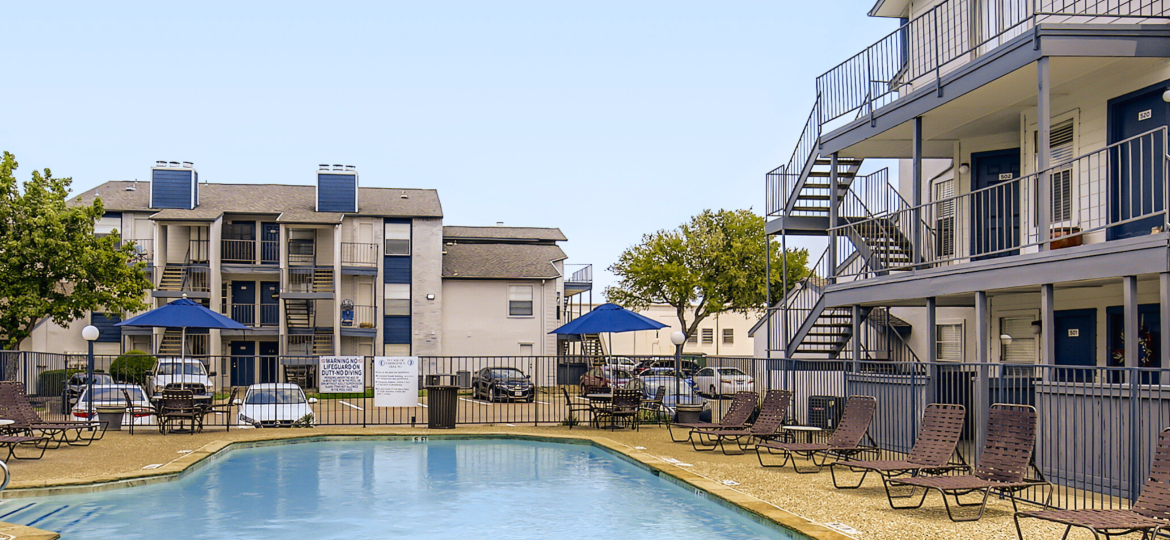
x=337 y=188
x=174 y=185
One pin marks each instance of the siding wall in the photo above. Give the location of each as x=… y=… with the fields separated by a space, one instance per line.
x=171 y=189
x=337 y=193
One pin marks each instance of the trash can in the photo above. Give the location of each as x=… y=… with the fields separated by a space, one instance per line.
x=112 y=416
x=687 y=414
x=441 y=403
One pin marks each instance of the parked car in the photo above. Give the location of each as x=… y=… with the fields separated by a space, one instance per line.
x=608 y=377
x=623 y=362
x=77 y=384
x=722 y=381
x=110 y=395
x=688 y=367
x=678 y=392
x=502 y=384
x=181 y=374
x=275 y=405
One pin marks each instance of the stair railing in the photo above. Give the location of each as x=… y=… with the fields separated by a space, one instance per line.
x=783 y=181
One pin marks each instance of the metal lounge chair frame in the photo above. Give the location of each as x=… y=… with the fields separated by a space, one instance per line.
x=844 y=442
x=743 y=404
x=14 y=405
x=1003 y=465
x=773 y=414
x=1150 y=513
x=935 y=451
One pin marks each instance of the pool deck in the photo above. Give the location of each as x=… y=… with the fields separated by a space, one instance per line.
x=807 y=503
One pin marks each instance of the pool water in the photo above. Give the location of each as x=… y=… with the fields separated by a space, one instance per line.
x=439 y=489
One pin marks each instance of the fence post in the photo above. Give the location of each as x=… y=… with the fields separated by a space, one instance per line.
x=1135 y=430
x=369 y=360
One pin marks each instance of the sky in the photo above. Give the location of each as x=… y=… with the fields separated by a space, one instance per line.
x=609 y=120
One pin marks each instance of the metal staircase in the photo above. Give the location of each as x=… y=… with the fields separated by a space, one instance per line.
x=811 y=192
x=322 y=280
x=298 y=313
x=322 y=343
x=172 y=278
x=172 y=343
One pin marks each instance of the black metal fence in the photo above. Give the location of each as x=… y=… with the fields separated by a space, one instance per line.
x=1097 y=429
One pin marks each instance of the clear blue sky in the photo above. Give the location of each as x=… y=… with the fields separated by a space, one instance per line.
x=606 y=119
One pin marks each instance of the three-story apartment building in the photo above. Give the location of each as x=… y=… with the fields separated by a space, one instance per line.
x=1029 y=222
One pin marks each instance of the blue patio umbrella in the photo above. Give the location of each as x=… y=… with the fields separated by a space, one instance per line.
x=608 y=318
x=183 y=313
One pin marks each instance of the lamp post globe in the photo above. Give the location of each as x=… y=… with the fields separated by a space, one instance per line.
x=678 y=338
x=90 y=333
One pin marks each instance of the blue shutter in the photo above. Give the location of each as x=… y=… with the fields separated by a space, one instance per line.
x=396 y=270
x=396 y=330
x=107 y=332
x=337 y=193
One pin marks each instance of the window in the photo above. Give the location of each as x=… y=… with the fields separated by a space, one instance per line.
x=1061 y=142
x=693 y=338
x=519 y=300
x=396 y=349
x=1022 y=349
x=944 y=221
x=708 y=336
x=397 y=238
x=948 y=342
x=728 y=336
x=397 y=298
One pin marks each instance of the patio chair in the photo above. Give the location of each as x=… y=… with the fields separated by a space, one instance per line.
x=655 y=406
x=135 y=410
x=934 y=452
x=576 y=407
x=214 y=410
x=1150 y=513
x=773 y=414
x=15 y=406
x=845 y=442
x=743 y=404
x=178 y=406
x=1003 y=465
x=626 y=405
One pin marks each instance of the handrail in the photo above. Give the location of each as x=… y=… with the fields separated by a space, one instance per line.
x=7 y=476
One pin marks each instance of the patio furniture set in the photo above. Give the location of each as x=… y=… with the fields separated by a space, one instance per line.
x=618 y=407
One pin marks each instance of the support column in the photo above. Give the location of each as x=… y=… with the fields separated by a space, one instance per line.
x=931 y=349
x=833 y=218
x=1047 y=325
x=1043 y=149
x=1164 y=297
x=982 y=389
x=856 y=337
x=916 y=191
x=1129 y=292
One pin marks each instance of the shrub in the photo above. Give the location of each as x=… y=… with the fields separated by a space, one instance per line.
x=132 y=367
x=51 y=382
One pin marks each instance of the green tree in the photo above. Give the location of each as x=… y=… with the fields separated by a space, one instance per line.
x=52 y=264
x=712 y=264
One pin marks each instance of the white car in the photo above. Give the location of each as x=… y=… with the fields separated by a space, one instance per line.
x=722 y=381
x=111 y=396
x=275 y=405
x=623 y=362
x=181 y=374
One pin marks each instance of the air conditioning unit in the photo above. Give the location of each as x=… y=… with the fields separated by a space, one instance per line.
x=825 y=411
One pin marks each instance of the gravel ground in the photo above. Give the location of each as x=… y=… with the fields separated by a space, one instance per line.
x=808 y=495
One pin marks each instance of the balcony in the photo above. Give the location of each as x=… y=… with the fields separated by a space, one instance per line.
x=246 y=314
x=249 y=251
x=359 y=254
x=302 y=252
x=143 y=249
x=175 y=280
x=361 y=321
x=309 y=282
x=947 y=37
x=1114 y=193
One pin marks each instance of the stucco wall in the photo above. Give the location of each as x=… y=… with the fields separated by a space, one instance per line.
x=427 y=320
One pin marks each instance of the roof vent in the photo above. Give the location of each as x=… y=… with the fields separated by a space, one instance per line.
x=338 y=167
x=350 y=168
x=499 y=224
x=188 y=165
x=160 y=163
x=133 y=187
x=404 y=195
x=323 y=167
x=174 y=164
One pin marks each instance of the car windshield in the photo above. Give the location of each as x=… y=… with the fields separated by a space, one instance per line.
x=619 y=374
x=674 y=386
x=731 y=371
x=185 y=368
x=276 y=396
x=506 y=373
x=98 y=378
x=113 y=394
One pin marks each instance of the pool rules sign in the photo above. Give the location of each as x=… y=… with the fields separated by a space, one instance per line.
x=395 y=381
x=342 y=374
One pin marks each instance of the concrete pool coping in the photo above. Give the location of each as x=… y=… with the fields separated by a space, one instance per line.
x=742 y=503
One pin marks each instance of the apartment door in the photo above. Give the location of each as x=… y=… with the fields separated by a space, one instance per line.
x=243 y=363
x=269 y=243
x=269 y=303
x=269 y=350
x=1076 y=343
x=995 y=204
x=1137 y=183
x=244 y=302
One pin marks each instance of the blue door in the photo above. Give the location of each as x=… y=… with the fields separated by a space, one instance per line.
x=243 y=363
x=1076 y=343
x=244 y=302
x=995 y=203
x=268 y=366
x=1136 y=184
x=269 y=243
x=269 y=303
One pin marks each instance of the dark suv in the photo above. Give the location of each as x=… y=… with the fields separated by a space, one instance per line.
x=76 y=385
x=502 y=384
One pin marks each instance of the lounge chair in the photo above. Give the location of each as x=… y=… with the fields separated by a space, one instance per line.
x=844 y=442
x=13 y=441
x=743 y=404
x=15 y=406
x=935 y=451
x=773 y=414
x=576 y=407
x=1003 y=465
x=1150 y=512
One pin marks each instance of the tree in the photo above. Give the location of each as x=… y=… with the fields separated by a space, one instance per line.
x=712 y=264
x=52 y=264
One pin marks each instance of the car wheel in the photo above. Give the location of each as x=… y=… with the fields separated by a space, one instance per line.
x=531 y=398
x=712 y=392
x=491 y=394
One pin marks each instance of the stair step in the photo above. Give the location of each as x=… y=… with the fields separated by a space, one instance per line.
x=822 y=209
x=840 y=161
x=828 y=174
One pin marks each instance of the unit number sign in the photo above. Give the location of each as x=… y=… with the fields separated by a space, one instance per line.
x=1006 y=176
x=1146 y=115
x=1074 y=332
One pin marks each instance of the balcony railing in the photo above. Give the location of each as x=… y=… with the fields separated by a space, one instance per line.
x=580 y=273
x=143 y=249
x=361 y=317
x=244 y=251
x=302 y=252
x=1119 y=190
x=309 y=280
x=246 y=314
x=359 y=254
x=948 y=36
x=198 y=251
x=186 y=278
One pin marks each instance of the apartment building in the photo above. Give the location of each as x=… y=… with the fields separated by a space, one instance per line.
x=1028 y=224
x=323 y=269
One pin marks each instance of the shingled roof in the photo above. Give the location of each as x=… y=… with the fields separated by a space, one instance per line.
x=501 y=261
x=292 y=203
x=536 y=234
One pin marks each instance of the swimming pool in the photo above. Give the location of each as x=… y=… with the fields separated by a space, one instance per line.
x=439 y=489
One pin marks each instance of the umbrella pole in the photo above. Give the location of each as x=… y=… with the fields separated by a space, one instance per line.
x=183 y=344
